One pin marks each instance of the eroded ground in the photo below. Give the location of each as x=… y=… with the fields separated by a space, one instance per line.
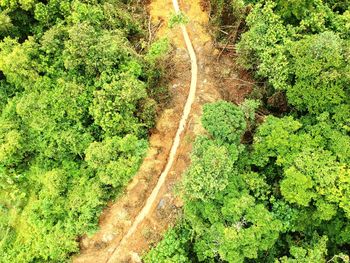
x=217 y=79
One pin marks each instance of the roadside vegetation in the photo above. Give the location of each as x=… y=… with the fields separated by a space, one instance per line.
x=283 y=196
x=79 y=89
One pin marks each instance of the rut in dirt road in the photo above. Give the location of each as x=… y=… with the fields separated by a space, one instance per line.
x=186 y=112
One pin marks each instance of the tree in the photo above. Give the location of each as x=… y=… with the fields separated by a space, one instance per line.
x=76 y=105
x=283 y=199
x=321 y=73
x=302 y=49
x=210 y=170
x=116 y=159
x=263 y=47
x=5 y=24
x=172 y=249
x=224 y=121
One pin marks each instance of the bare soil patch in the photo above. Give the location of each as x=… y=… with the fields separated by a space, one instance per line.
x=213 y=85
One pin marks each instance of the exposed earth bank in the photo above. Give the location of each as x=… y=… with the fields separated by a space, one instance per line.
x=118 y=218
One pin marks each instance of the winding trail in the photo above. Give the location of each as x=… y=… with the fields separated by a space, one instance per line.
x=183 y=121
x=135 y=222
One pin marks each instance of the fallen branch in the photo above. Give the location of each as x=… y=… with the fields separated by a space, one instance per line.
x=227 y=47
x=232 y=37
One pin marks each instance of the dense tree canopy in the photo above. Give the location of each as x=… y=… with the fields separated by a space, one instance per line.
x=76 y=103
x=284 y=197
x=302 y=49
x=78 y=95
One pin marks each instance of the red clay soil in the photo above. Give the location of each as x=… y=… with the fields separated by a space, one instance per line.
x=217 y=79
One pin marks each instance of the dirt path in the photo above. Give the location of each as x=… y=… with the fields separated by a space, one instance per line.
x=137 y=220
x=183 y=121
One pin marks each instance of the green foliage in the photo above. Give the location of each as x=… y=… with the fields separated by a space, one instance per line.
x=209 y=171
x=24 y=4
x=115 y=159
x=5 y=24
x=158 y=57
x=321 y=73
x=75 y=109
x=172 y=249
x=178 y=19
x=121 y=94
x=157 y=50
x=315 y=253
x=262 y=47
x=224 y=121
x=301 y=48
x=283 y=199
x=248 y=107
x=311 y=170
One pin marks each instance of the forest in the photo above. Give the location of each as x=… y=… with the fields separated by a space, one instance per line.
x=79 y=90
x=283 y=195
